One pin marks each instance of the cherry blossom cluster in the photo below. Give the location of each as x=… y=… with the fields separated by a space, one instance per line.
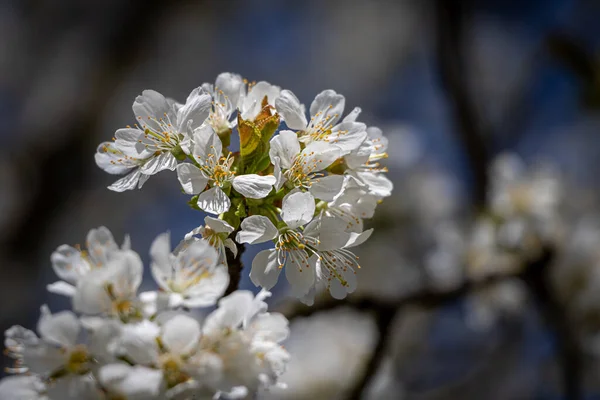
x=306 y=185
x=522 y=220
x=121 y=344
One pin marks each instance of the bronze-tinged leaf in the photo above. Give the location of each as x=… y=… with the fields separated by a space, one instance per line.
x=249 y=136
x=267 y=127
x=265 y=111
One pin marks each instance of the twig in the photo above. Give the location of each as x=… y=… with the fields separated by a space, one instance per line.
x=554 y=314
x=385 y=319
x=234 y=267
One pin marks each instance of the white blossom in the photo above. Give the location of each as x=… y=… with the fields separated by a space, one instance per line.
x=216 y=232
x=301 y=167
x=316 y=254
x=163 y=132
x=111 y=290
x=214 y=170
x=71 y=263
x=194 y=275
x=325 y=112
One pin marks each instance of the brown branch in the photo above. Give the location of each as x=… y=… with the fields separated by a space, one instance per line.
x=234 y=267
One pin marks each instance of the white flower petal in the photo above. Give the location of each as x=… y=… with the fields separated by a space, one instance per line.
x=143 y=179
x=206 y=144
x=138 y=342
x=256 y=229
x=265 y=269
x=290 y=109
x=279 y=177
x=272 y=327
x=327 y=188
x=137 y=382
x=300 y=277
x=218 y=225
x=21 y=387
x=180 y=334
x=165 y=160
x=356 y=239
x=352 y=115
x=209 y=289
x=232 y=311
x=254 y=186
x=230 y=244
x=150 y=107
x=253 y=101
x=332 y=233
x=62 y=288
x=195 y=110
x=68 y=263
x=101 y=245
x=214 y=201
x=61 y=328
x=113 y=160
x=340 y=291
x=348 y=136
x=128 y=182
x=317 y=156
x=91 y=296
x=128 y=270
x=232 y=86
x=285 y=146
x=298 y=209
x=191 y=178
x=378 y=184
x=329 y=105
x=160 y=252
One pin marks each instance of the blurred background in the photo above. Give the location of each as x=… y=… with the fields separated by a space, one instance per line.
x=457 y=298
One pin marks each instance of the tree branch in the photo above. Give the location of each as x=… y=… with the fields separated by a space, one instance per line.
x=425 y=298
x=385 y=319
x=534 y=274
x=554 y=314
x=234 y=267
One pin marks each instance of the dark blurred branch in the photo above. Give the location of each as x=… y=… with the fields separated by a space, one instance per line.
x=581 y=62
x=425 y=298
x=555 y=316
x=533 y=274
x=450 y=16
x=235 y=267
x=385 y=319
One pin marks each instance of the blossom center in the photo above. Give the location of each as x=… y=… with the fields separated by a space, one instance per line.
x=79 y=361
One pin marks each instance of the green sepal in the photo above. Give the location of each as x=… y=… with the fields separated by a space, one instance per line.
x=178 y=153
x=241 y=210
x=225 y=137
x=193 y=202
x=249 y=137
x=255 y=139
x=231 y=218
